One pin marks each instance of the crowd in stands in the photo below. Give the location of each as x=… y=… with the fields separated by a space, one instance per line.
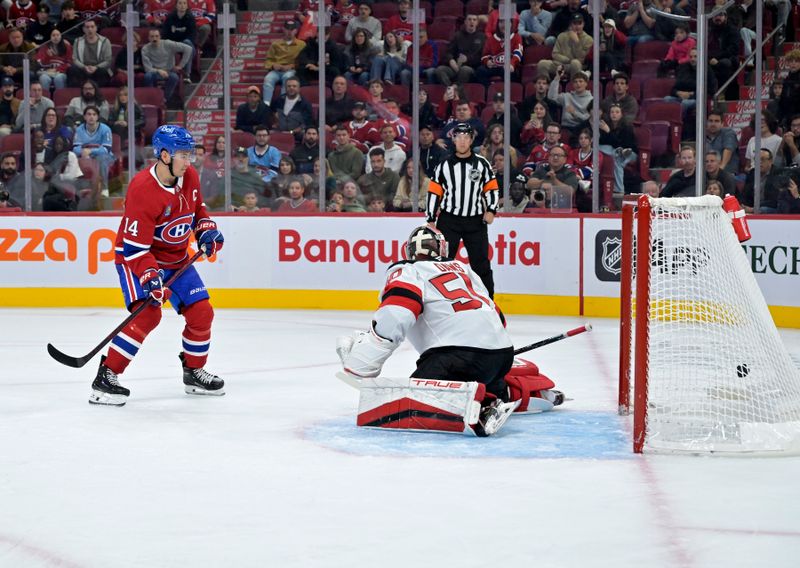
x=646 y=58
x=79 y=44
x=647 y=101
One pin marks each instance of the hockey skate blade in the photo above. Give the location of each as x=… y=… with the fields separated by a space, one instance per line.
x=350 y=380
x=106 y=399
x=189 y=389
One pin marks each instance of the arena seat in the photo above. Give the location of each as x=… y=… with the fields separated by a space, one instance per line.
x=442 y=30
x=670 y=112
x=383 y=10
x=61 y=97
x=14 y=142
x=400 y=93
x=532 y=54
x=645 y=69
x=449 y=8
x=516 y=91
x=283 y=141
x=650 y=50
x=659 y=138
x=476 y=93
x=657 y=88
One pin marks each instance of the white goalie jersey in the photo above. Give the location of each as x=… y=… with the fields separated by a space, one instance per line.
x=439 y=304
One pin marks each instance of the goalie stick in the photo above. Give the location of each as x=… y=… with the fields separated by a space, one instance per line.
x=549 y=340
x=79 y=362
x=355 y=381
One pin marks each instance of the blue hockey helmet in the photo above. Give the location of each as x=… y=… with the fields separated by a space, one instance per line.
x=172 y=139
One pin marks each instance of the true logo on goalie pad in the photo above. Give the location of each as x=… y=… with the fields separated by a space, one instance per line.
x=419 y=404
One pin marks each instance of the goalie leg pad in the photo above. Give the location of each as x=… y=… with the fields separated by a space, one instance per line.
x=364 y=353
x=420 y=404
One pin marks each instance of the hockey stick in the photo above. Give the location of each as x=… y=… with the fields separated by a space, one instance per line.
x=355 y=381
x=549 y=340
x=79 y=362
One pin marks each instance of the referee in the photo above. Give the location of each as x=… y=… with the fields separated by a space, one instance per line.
x=464 y=191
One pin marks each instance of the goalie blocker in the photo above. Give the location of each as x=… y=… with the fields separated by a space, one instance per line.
x=451 y=406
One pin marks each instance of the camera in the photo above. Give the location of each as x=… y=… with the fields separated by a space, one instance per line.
x=4 y=195
x=786 y=175
x=538 y=195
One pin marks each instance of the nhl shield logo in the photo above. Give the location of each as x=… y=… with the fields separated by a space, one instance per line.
x=612 y=253
x=608 y=255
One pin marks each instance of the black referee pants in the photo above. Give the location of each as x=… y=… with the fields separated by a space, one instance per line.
x=474 y=232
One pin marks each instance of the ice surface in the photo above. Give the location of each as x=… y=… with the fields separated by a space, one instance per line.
x=276 y=474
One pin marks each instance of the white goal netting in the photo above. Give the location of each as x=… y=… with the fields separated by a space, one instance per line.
x=719 y=376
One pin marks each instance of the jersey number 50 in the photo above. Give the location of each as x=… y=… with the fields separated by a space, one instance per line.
x=462 y=294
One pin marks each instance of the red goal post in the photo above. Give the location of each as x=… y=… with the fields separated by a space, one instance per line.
x=700 y=359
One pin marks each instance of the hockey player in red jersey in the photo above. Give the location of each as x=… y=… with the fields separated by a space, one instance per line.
x=163 y=206
x=446 y=312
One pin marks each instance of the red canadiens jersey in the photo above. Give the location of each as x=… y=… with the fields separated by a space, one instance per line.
x=158 y=220
x=494 y=50
x=361 y=135
x=439 y=304
x=21 y=16
x=204 y=11
x=156 y=11
x=401 y=28
x=88 y=8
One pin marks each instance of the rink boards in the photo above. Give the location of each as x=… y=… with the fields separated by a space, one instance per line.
x=550 y=265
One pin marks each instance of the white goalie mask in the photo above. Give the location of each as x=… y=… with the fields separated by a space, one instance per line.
x=426 y=242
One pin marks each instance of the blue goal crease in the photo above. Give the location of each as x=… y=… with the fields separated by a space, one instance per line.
x=552 y=435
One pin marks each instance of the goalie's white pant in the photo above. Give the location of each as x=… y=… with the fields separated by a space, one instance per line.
x=427 y=405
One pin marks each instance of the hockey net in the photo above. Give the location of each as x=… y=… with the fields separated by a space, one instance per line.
x=711 y=372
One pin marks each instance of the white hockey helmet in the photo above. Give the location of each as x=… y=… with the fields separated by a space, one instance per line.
x=426 y=242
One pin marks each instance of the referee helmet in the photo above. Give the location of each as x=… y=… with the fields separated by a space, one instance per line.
x=463 y=128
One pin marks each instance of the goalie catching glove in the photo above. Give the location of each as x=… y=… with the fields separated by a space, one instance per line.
x=209 y=238
x=364 y=353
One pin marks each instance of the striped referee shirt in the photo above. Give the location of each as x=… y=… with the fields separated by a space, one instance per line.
x=464 y=187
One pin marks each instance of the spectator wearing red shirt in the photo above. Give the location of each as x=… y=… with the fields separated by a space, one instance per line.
x=345 y=10
x=360 y=128
x=93 y=9
x=156 y=11
x=205 y=15
x=493 y=60
x=54 y=60
x=297 y=203
x=20 y=14
x=400 y=24
x=538 y=155
x=580 y=159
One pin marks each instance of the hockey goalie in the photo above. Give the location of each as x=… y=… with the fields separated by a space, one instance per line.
x=466 y=379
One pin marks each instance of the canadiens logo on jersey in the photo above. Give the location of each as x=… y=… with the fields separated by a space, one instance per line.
x=176 y=231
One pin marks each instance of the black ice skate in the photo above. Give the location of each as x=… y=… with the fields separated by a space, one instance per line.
x=200 y=381
x=106 y=388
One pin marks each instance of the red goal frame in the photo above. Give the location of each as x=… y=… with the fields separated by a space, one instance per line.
x=634 y=207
